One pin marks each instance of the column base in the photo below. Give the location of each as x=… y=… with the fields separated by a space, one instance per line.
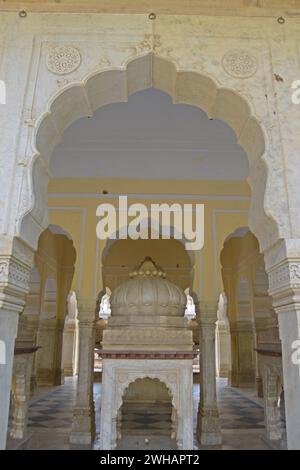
x=83 y=429
x=208 y=428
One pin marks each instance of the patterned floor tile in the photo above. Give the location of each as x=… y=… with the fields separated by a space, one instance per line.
x=242 y=419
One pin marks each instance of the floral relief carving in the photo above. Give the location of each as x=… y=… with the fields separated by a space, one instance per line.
x=61 y=82
x=62 y=60
x=287 y=275
x=14 y=273
x=104 y=62
x=239 y=63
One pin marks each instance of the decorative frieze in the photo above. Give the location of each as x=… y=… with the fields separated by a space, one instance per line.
x=123 y=354
x=14 y=273
x=285 y=275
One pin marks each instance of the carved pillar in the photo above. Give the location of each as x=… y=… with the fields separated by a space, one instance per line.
x=14 y=284
x=49 y=371
x=28 y=327
x=58 y=371
x=242 y=354
x=283 y=267
x=272 y=411
x=21 y=393
x=208 y=425
x=258 y=378
x=223 y=354
x=69 y=347
x=83 y=429
x=70 y=338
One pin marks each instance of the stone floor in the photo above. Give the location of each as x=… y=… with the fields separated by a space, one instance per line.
x=50 y=418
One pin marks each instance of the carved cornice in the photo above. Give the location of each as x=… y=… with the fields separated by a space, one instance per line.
x=284 y=285
x=107 y=354
x=147 y=336
x=287 y=274
x=14 y=282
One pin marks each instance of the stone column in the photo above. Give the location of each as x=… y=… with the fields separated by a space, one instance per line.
x=58 y=370
x=14 y=284
x=21 y=393
x=283 y=267
x=45 y=361
x=258 y=378
x=69 y=348
x=8 y=332
x=242 y=354
x=272 y=411
x=223 y=351
x=208 y=425
x=83 y=429
x=70 y=337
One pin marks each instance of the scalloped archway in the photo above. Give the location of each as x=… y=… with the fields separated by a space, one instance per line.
x=116 y=85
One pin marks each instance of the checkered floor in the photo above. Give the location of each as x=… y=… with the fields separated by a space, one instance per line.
x=55 y=409
x=238 y=411
x=50 y=416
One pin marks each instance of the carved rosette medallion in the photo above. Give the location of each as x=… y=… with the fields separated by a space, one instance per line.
x=62 y=60
x=239 y=63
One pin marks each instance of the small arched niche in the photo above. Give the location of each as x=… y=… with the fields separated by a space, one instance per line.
x=147 y=417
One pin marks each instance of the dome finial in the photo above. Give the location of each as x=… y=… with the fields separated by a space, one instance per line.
x=148 y=267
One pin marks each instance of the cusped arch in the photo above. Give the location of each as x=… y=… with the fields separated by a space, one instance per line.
x=116 y=84
x=161 y=377
x=132 y=382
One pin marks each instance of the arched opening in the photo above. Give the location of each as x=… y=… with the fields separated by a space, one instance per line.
x=116 y=85
x=256 y=347
x=146 y=418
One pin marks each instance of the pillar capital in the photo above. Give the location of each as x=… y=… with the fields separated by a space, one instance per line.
x=16 y=262
x=283 y=267
x=241 y=326
x=284 y=284
x=86 y=311
x=207 y=315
